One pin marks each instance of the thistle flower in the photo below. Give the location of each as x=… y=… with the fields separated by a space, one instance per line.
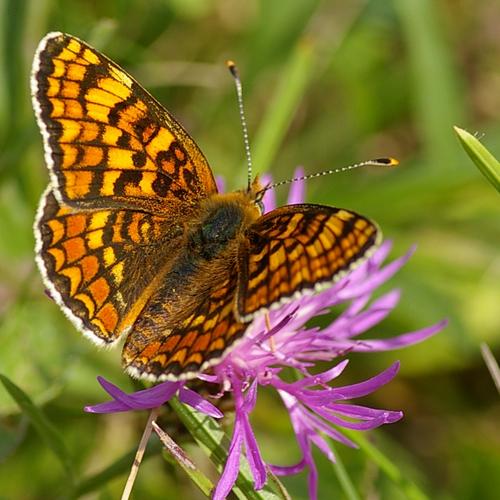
x=282 y=339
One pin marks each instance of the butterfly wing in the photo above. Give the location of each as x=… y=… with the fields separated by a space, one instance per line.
x=299 y=248
x=107 y=141
x=101 y=266
x=124 y=176
x=163 y=347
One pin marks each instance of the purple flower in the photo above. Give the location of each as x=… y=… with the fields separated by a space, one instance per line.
x=153 y=397
x=282 y=339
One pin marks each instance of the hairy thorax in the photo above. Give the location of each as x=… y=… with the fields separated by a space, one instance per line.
x=210 y=252
x=222 y=222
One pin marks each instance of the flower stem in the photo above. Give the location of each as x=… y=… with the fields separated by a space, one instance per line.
x=140 y=453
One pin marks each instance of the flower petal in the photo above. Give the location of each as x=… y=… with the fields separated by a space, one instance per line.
x=312 y=479
x=323 y=446
x=368 y=386
x=198 y=403
x=220 y=182
x=319 y=379
x=374 y=280
x=384 y=417
x=399 y=341
x=348 y=325
x=251 y=397
x=287 y=470
x=355 y=411
x=232 y=467
x=107 y=407
x=269 y=200
x=383 y=251
x=297 y=193
x=254 y=457
x=140 y=400
x=322 y=426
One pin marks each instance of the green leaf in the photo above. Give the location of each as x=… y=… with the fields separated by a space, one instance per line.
x=42 y=425
x=484 y=160
x=214 y=442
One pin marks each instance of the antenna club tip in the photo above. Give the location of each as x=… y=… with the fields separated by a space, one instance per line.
x=231 y=66
x=387 y=162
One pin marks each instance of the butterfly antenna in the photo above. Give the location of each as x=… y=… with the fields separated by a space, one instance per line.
x=378 y=162
x=239 y=93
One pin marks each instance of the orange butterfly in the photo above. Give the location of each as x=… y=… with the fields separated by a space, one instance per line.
x=132 y=237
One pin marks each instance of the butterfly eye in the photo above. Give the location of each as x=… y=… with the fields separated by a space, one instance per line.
x=258 y=200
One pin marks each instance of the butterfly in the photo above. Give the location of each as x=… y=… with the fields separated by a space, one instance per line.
x=133 y=238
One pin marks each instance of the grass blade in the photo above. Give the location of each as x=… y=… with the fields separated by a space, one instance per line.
x=278 y=117
x=484 y=160
x=436 y=90
x=42 y=425
x=390 y=469
x=12 y=22
x=345 y=481
x=491 y=364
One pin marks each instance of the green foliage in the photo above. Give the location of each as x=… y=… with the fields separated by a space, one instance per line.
x=326 y=84
x=484 y=160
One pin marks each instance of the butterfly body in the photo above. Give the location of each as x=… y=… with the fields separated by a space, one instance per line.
x=133 y=238
x=209 y=247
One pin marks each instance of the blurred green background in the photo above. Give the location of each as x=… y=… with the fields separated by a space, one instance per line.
x=326 y=83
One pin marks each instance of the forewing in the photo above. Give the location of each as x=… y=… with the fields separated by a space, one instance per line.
x=107 y=141
x=160 y=347
x=298 y=248
x=101 y=266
